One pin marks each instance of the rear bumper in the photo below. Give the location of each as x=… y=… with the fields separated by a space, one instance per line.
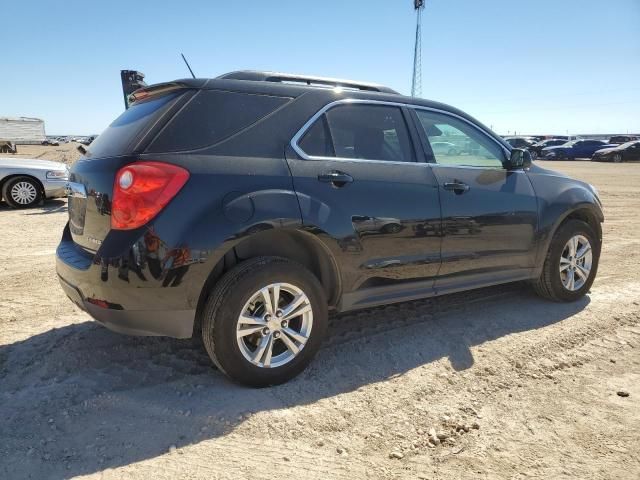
x=122 y=303
x=177 y=323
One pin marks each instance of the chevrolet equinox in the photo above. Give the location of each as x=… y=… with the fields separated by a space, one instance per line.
x=247 y=207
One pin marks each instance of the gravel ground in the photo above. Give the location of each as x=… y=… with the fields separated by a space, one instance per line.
x=494 y=383
x=65 y=152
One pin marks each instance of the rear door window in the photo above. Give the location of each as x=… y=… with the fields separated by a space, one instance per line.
x=213 y=116
x=367 y=132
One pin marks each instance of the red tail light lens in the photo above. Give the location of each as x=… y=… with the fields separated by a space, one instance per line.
x=141 y=190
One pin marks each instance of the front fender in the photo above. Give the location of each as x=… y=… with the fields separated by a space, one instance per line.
x=560 y=197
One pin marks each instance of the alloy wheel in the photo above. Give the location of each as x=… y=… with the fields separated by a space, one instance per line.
x=575 y=263
x=274 y=325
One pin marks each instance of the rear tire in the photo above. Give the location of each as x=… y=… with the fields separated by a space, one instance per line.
x=280 y=346
x=21 y=192
x=552 y=283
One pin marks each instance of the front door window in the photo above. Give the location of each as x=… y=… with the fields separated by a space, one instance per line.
x=456 y=143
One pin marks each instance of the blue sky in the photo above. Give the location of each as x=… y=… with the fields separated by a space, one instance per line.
x=527 y=66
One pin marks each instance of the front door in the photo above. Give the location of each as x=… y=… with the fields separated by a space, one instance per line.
x=363 y=193
x=489 y=214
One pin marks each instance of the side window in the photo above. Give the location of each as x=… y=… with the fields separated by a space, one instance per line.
x=317 y=140
x=213 y=116
x=360 y=131
x=455 y=142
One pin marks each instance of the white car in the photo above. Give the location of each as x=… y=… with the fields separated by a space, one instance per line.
x=445 y=148
x=24 y=182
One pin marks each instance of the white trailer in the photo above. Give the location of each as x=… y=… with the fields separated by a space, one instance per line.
x=22 y=130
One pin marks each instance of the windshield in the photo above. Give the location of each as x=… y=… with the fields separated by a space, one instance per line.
x=628 y=144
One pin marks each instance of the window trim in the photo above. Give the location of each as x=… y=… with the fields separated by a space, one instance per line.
x=298 y=136
x=352 y=101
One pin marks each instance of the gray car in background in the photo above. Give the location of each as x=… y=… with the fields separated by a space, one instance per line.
x=25 y=182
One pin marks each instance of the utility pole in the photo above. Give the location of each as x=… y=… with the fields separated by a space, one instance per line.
x=416 y=80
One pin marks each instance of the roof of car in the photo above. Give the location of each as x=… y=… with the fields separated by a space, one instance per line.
x=304 y=80
x=293 y=85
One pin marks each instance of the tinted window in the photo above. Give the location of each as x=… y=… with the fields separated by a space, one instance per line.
x=471 y=147
x=121 y=137
x=212 y=116
x=369 y=132
x=317 y=141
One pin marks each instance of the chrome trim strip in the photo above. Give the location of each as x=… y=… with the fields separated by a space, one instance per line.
x=296 y=138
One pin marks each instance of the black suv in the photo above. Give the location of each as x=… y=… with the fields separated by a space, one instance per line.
x=247 y=207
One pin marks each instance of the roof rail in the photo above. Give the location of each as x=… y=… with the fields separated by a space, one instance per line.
x=262 y=76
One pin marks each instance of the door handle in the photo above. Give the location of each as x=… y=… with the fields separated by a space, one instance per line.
x=456 y=187
x=339 y=179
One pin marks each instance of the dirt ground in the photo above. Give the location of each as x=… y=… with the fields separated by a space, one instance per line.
x=65 y=153
x=535 y=383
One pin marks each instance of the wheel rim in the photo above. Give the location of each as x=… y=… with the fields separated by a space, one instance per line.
x=534 y=155
x=274 y=325
x=575 y=263
x=617 y=157
x=24 y=193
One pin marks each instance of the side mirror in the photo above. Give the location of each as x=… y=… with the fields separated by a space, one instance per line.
x=519 y=159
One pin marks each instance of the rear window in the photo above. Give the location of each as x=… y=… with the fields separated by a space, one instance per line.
x=121 y=137
x=213 y=116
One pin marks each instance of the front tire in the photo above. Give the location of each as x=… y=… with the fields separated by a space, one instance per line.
x=617 y=158
x=571 y=263
x=264 y=321
x=21 y=192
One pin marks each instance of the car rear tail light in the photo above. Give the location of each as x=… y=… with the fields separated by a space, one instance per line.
x=141 y=190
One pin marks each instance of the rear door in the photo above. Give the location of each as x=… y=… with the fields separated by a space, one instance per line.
x=361 y=189
x=489 y=214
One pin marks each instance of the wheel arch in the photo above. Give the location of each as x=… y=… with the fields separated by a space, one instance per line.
x=294 y=244
x=8 y=178
x=586 y=212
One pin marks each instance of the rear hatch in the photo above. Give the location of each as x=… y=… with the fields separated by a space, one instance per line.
x=92 y=177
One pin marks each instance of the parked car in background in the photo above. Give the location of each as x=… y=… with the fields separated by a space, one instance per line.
x=51 y=142
x=88 y=140
x=445 y=148
x=536 y=148
x=573 y=149
x=161 y=237
x=627 y=152
x=24 y=182
x=519 y=142
x=620 y=139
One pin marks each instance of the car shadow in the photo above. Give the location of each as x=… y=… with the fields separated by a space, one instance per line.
x=80 y=399
x=47 y=207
